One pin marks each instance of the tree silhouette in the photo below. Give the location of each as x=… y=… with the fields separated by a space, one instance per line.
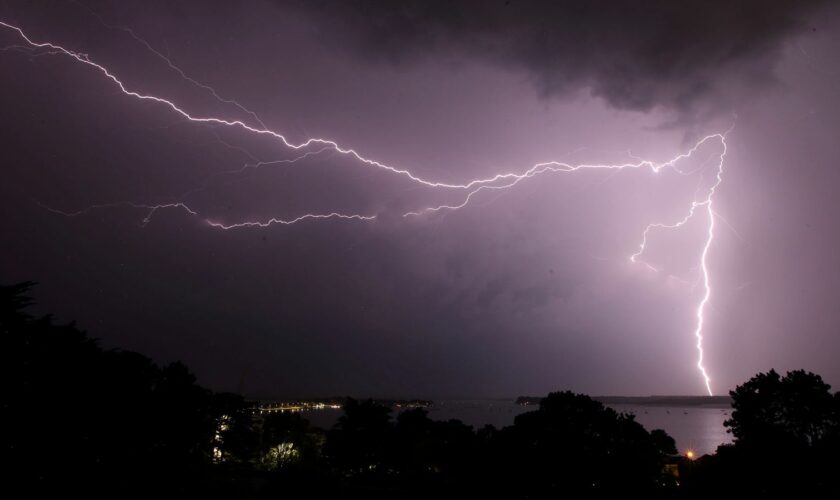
x=786 y=431
x=794 y=411
x=76 y=416
x=359 y=440
x=573 y=442
x=287 y=440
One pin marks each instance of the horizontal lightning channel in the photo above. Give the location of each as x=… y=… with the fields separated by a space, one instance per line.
x=472 y=187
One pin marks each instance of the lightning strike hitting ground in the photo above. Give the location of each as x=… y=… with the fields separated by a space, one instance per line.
x=501 y=181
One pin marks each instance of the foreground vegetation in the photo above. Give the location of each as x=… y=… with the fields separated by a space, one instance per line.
x=79 y=418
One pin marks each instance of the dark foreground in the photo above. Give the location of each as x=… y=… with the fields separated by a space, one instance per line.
x=77 y=418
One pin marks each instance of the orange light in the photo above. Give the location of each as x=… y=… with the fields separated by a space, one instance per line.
x=689 y=454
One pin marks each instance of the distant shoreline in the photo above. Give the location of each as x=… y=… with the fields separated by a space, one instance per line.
x=661 y=401
x=674 y=401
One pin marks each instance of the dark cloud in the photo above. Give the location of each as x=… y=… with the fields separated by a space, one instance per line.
x=524 y=291
x=686 y=56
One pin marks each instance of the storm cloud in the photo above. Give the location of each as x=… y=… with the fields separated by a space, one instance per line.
x=691 y=57
x=525 y=290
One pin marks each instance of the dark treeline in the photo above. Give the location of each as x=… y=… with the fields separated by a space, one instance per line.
x=80 y=418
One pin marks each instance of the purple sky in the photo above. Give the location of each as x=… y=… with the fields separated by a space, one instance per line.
x=523 y=291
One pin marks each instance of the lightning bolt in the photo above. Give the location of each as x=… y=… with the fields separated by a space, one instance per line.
x=471 y=188
x=704 y=205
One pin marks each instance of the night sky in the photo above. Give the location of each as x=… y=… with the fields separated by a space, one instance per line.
x=523 y=290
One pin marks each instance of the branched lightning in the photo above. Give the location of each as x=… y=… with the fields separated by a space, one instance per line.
x=149 y=209
x=256 y=165
x=286 y=222
x=704 y=204
x=173 y=66
x=470 y=188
